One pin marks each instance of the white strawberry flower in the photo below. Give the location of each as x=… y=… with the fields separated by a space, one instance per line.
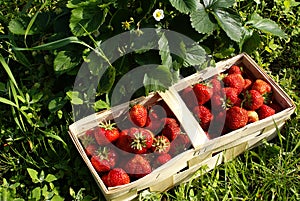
x=158 y=14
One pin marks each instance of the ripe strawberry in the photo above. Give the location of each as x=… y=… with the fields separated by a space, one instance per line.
x=138 y=166
x=217 y=101
x=106 y=133
x=253 y=100
x=104 y=178
x=261 y=86
x=117 y=176
x=138 y=115
x=154 y=120
x=141 y=140
x=124 y=142
x=265 y=111
x=252 y=116
x=234 y=70
x=216 y=85
x=248 y=84
x=203 y=93
x=231 y=96
x=161 y=159
x=234 y=80
x=88 y=142
x=161 y=144
x=217 y=124
x=189 y=97
x=171 y=129
x=179 y=145
x=236 y=117
x=166 y=108
x=104 y=159
x=203 y=115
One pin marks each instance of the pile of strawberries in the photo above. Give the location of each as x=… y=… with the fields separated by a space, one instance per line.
x=230 y=101
x=151 y=137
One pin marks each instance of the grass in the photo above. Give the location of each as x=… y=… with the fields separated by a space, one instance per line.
x=38 y=160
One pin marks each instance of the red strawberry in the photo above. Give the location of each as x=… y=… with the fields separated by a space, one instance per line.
x=236 y=117
x=154 y=120
x=203 y=93
x=90 y=149
x=124 y=142
x=252 y=116
x=117 y=176
x=171 y=128
x=138 y=115
x=265 y=111
x=161 y=144
x=179 y=144
x=141 y=140
x=234 y=70
x=104 y=178
x=88 y=142
x=253 y=100
x=261 y=86
x=167 y=109
x=217 y=124
x=216 y=85
x=217 y=101
x=138 y=167
x=161 y=159
x=203 y=115
x=234 y=80
x=104 y=159
x=248 y=84
x=231 y=96
x=106 y=133
x=189 y=97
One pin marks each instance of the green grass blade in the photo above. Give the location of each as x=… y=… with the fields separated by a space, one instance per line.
x=8 y=71
x=8 y=102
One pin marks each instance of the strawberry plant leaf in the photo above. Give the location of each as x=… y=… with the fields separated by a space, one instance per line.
x=87 y=18
x=230 y=22
x=65 y=61
x=33 y=175
x=194 y=56
x=18 y=26
x=250 y=41
x=265 y=25
x=107 y=80
x=50 y=177
x=164 y=51
x=201 y=20
x=184 y=6
x=214 y=4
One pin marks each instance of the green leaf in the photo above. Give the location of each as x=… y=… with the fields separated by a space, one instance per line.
x=265 y=25
x=201 y=21
x=36 y=193
x=56 y=104
x=18 y=26
x=249 y=42
x=107 y=80
x=195 y=55
x=164 y=51
x=230 y=22
x=65 y=61
x=184 y=6
x=8 y=71
x=100 y=104
x=57 y=198
x=215 y=4
x=157 y=79
x=80 y=3
x=34 y=175
x=74 y=97
x=8 y=102
x=50 y=177
x=85 y=20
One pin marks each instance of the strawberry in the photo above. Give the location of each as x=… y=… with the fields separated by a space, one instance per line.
x=248 y=84
x=202 y=92
x=252 y=116
x=265 y=111
x=203 y=115
x=217 y=124
x=166 y=108
x=231 y=96
x=124 y=142
x=117 y=176
x=253 y=100
x=217 y=101
x=161 y=159
x=104 y=178
x=171 y=128
x=104 y=159
x=106 y=133
x=141 y=140
x=216 y=85
x=189 y=97
x=261 y=86
x=236 y=117
x=138 y=115
x=234 y=69
x=161 y=144
x=179 y=144
x=138 y=166
x=154 y=120
x=235 y=81
x=88 y=142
